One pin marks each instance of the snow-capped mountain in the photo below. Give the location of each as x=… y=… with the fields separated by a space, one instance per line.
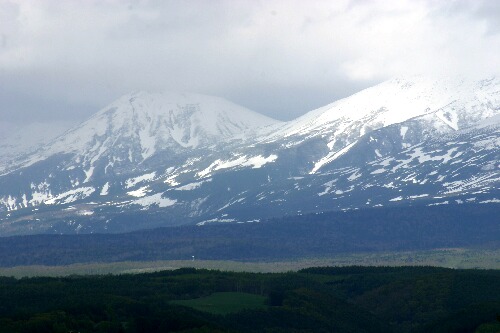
x=441 y=106
x=183 y=158
x=136 y=126
x=456 y=168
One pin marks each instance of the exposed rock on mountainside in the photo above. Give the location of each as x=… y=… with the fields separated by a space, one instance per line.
x=200 y=159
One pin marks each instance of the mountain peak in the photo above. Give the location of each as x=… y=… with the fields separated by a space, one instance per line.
x=394 y=101
x=137 y=125
x=195 y=158
x=189 y=119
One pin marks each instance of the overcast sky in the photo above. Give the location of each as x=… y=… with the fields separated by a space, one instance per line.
x=68 y=59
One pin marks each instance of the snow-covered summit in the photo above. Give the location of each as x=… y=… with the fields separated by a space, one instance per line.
x=139 y=124
x=194 y=158
x=178 y=119
x=398 y=100
x=443 y=105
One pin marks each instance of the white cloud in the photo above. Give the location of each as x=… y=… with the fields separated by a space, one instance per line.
x=83 y=54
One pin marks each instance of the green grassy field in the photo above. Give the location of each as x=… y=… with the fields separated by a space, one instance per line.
x=449 y=258
x=225 y=302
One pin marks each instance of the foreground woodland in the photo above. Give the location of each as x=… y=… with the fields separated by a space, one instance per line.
x=326 y=299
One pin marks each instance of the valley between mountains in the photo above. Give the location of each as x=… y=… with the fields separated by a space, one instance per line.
x=165 y=159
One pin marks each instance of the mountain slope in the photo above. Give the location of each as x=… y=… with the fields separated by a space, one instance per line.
x=128 y=136
x=136 y=126
x=445 y=105
x=177 y=159
x=16 y=139
x=460 y=167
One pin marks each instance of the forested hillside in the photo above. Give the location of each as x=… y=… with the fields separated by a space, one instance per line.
x=349 y=299
x=302 y=236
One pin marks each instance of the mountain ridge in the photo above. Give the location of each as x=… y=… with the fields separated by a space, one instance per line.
x=148 y=123
x=399 y=142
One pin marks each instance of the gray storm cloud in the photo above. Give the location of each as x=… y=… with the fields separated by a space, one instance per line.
x=66 y=59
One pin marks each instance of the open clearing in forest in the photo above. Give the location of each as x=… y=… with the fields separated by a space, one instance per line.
x=225 y=302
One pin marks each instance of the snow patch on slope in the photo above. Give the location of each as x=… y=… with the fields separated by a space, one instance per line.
x=192 y=186
x=255 y=162
x=105 y=189
x=155 y=199
x=136 y=180
x=330 y=157
x=139 y=192
x=71 y=196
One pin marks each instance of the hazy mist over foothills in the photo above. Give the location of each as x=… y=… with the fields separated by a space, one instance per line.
x=65 y=60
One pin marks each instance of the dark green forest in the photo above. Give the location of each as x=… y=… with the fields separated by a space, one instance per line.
x=328 y=299
x=289 y=237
